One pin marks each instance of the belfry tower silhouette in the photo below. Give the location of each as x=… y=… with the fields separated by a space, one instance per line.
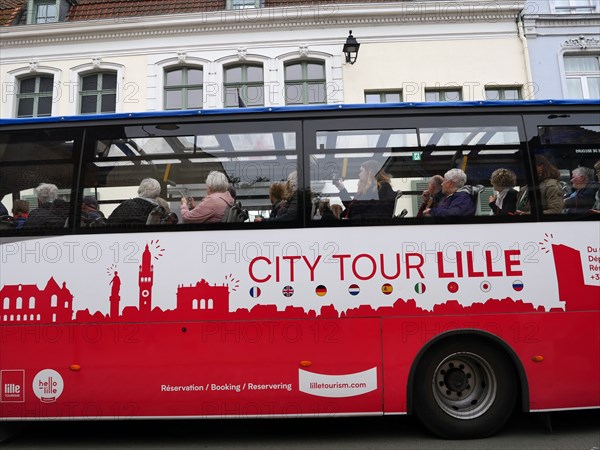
x=145 y=281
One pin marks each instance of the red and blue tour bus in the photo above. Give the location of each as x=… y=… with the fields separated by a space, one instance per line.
x=348 y=305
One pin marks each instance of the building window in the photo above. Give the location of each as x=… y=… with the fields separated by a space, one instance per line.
x=305 y=83
x=42 y=11
x=244 y=86
x=582 y=74
x=98 y=93
x=383 y=97
x=502 y=93
x=35 y=96
x=244 y=4
x=575 y=6
x=183 y=88
x=443 y=95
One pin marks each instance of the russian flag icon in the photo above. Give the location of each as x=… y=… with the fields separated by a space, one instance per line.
x=518 y=285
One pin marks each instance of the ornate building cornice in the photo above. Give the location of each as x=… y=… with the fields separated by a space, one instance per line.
x=263 y=19
x=581 y=43
x=562 y=20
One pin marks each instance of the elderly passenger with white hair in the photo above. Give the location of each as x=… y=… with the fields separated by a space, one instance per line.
x=213 y=207
x=583 y=196
x=455 y=202
x=135 y=211
x=51 y=210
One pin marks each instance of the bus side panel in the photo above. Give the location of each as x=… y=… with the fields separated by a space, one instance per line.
x=201 y=369
x=569 y=342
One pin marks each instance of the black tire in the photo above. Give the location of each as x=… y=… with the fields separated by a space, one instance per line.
x=464 y=388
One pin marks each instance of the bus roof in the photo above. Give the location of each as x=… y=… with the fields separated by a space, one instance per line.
x=315 y=108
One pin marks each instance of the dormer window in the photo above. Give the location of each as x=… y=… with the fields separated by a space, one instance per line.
x=45 y=12
x=244 y=4
x=575 y=6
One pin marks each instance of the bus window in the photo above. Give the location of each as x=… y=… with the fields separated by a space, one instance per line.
x=377 y=176
x=37 y=167
x=567 y=159
x=180 y=158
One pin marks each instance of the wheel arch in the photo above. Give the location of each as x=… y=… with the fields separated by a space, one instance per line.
x=494 y=340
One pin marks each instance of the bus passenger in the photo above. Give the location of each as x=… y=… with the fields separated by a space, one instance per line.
x=51 y=211
x=505 y=201
x=374 y=195
x=336 y=210
x=20 y=212
x=90 y=214
x=596 y=208
x=584 y=192
x=3 y=210
x=289 y=208
x=276 y=197
x=325 y=211
x=433 y=195
x=551 y=191
x=135 y=211
x=213 y=207
x=455 y=202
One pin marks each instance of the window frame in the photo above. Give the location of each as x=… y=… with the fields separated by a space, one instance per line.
x=305 y=82
x=382 y=95
x=502 y=92
x=442 y=92
x=36 y=95
x=243 y=85
x=99 y=92
x=573 y=7
x=182 y=88
x=312 y=149
x=235 y=5
x=580 y=75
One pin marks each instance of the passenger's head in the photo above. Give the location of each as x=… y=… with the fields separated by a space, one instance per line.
x=454 y=179
x=503 y=179
x=149 y=188
x=276 y=192
x=337 y=210
x=46 y=193
x=20 y=207
x=216 y=182
x=597 y=169
x=89 y=202
x=435 y=184
x=292 y=181
x=581 y=177
x=545 y=169
x=291 y=186
x=367 y=175
x=324 y=206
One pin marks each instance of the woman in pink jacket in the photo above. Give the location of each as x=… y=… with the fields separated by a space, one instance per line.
x=212 y=208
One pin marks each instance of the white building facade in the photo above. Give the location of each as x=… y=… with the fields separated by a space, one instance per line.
x=410 y=51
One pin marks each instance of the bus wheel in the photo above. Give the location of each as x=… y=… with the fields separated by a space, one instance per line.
x=464 y=389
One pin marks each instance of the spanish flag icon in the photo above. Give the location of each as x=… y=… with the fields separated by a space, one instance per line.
x=387 y=288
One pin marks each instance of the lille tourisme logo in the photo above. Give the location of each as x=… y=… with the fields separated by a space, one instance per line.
x=12 y=383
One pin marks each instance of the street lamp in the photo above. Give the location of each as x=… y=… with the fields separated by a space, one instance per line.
x=351 y=49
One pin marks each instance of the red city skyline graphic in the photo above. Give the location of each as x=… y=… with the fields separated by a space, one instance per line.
x=27 y=304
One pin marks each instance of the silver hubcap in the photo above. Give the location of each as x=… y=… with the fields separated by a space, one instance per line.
x=464 y=386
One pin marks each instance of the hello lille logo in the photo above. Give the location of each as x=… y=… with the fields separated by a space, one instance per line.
x=48 y=385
